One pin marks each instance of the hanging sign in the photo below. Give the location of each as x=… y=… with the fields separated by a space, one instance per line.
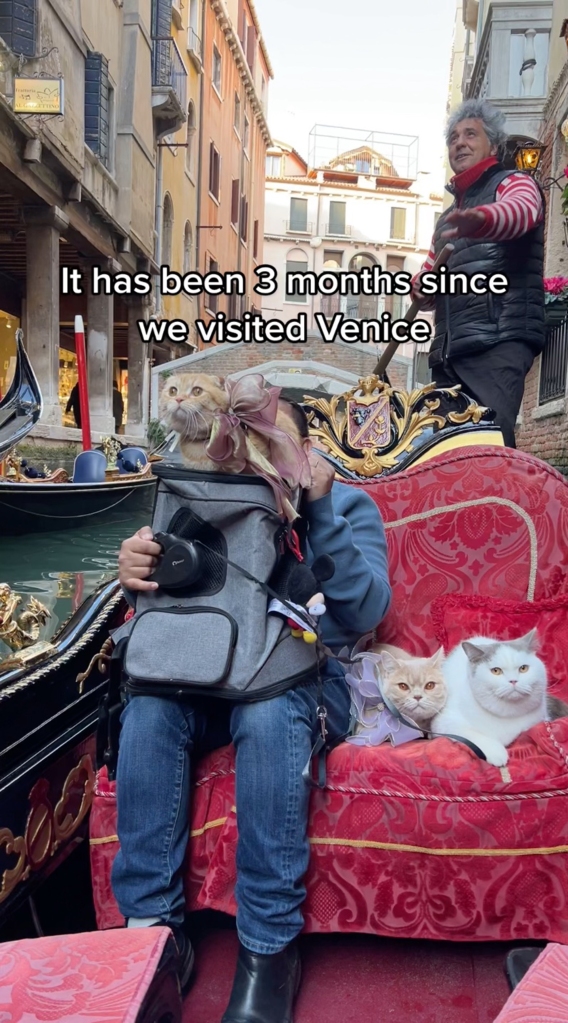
x=38 y=95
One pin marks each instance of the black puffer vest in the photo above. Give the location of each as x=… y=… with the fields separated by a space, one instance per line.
x=466 y=324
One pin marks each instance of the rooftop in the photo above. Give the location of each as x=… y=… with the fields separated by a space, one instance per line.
x=358 y=151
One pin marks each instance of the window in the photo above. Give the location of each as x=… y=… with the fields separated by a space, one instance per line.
x=237 y=115
x=187 y=248
x=18 y=26
x=189 y=153
x=212 y=301
x=398 y=223
x=235 y=202
x=97 y=112
x=554 y=364
x=436 y=219
x=274 y=166
x=421 y=372
x=298 y=214
x=263 y=93
x=255 y=240
x=167 y=230
x=246 y=134
x=298 y=263
x=216 y=76
x=251 y=46
x=337 y=217
x=194 y=41
x=363 y=166
x=244 y=218
x=214 y=172
x=233 y=306
x=332 y=260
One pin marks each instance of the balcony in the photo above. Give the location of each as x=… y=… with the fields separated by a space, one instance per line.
x=195 y=48
x=337 y=230
x=169 y=87
x=467 y=73
x=295 y=228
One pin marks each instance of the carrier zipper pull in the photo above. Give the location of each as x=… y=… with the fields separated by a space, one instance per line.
x=293 y=542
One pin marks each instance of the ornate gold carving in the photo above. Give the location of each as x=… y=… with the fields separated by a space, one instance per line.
x=111 y=447
x=372 y=428
x=47 y=829
x=21 y=632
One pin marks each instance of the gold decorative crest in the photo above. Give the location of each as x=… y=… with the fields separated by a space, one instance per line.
x=376 y=429
x=21 y=631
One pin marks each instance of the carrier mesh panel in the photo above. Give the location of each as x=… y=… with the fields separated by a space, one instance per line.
x=189 y=526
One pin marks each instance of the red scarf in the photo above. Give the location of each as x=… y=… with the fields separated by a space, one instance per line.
x=460 y=183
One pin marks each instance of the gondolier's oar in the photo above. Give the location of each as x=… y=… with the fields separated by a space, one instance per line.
x=83 y=382
x=410 y=315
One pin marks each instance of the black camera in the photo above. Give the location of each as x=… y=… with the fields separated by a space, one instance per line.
x=181 y=564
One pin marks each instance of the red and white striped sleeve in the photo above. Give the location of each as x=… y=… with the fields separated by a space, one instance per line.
x=518 y=207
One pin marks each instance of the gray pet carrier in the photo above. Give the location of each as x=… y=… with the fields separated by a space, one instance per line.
x=213 y=635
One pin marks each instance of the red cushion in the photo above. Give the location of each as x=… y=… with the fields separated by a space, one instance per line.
x=457 y=618
x=82 y=977
x=542 y=995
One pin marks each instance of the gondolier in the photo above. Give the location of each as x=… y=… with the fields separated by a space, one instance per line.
x=487 y=343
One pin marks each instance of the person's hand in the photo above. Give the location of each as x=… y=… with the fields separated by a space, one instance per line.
x=462 y=224
x=323 y=475
x=137 y=560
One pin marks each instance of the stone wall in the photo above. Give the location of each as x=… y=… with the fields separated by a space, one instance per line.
x=356 y=358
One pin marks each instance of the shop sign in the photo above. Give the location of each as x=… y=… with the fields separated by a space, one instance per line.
x=38 y=95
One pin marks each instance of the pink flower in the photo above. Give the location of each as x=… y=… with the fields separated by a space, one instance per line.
x=566 y=172
x=555 y=285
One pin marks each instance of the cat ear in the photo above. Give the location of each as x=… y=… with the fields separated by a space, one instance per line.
x=220 y=381
x=476 y=654
x=439 y=656
x=529 y=642
x=389 y=662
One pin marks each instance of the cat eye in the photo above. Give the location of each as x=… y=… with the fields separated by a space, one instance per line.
x=430 y=686
x=524 y=668
x=403 y=686
x=197 y=390
x=173 y=391
x=496 y=671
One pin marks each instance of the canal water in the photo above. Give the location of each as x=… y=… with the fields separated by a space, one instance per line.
x=62 y=569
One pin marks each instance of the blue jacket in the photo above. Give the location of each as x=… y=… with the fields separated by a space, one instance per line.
x=346 y=524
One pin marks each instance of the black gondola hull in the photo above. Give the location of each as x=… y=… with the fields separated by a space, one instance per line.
x=43 y=507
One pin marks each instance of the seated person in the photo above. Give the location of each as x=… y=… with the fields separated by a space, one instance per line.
x=273 y=740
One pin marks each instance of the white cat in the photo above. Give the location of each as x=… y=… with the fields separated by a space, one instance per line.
x=496 y=691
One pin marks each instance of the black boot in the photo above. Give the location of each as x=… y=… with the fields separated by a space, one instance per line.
x=264 y=987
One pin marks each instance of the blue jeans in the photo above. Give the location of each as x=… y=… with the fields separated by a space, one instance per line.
x=273 y=740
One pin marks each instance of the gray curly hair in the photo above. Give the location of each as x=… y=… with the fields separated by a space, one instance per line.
x=493 y=120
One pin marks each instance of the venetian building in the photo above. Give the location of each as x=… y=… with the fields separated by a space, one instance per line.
x=78 y=190
x=357 y=201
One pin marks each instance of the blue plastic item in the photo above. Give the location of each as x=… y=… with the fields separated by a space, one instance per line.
x=128 y=459
x=89 y=467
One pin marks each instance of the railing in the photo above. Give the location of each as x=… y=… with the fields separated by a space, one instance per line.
x=168 y=69
x=332 y=232
x=467 y=73
x=292 y=228
x=194 y=43
x=554 y=364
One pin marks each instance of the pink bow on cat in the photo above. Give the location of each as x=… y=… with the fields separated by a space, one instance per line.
x=255 y=406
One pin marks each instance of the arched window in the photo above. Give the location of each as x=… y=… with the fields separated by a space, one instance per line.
x=296 y=262
x=167 y=230
x=189 y=153
x=362 y=307
x=187 y=248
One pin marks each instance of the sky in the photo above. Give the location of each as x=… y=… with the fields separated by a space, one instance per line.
x=381 y=65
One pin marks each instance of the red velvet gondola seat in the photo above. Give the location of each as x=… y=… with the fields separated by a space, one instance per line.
x=427 y=841
x=120 y=976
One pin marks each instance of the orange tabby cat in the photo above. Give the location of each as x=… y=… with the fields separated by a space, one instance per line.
x=188 y=404
x=414 y=685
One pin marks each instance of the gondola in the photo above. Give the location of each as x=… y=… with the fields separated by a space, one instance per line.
x=56 y=502
x=427 y=864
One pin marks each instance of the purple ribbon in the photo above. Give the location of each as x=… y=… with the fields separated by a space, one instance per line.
x=254 y=406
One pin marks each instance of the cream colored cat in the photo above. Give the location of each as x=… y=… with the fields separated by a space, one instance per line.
x=188 y=404
x=415 y=686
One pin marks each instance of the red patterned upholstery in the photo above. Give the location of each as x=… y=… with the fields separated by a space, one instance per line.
x=423 y=840
x=542 y=995
x=80 y=978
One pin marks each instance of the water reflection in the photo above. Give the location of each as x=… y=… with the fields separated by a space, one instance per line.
x=62 y=569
